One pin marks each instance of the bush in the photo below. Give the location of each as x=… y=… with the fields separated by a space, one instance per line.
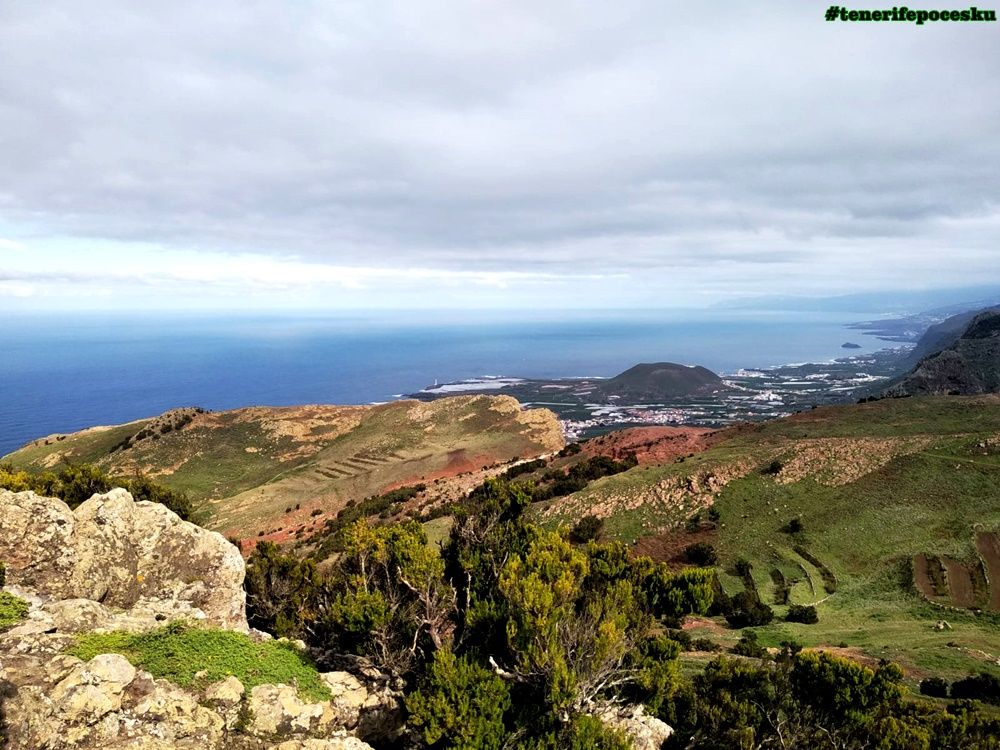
x=702 y=554
x=459 y=705
x=705 y=644
x=587 y=529
x=76 y=483
x=982 y=686
x=749 y=646
x=772 y=468
x=804 y=613
x=934 y=687
x=743 y=568
x=746 y=610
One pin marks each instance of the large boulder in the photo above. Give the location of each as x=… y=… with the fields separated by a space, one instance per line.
x=122 y=554
x=646 y=732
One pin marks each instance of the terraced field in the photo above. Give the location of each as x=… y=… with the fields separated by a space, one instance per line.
x=882 y=492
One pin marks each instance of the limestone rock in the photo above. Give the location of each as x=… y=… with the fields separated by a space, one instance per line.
x=277 y=710
x=123 y=554
x=334 y=743
x=226 y=694
x=646 y=732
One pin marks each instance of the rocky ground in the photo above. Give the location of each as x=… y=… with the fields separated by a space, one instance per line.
x=116 y=565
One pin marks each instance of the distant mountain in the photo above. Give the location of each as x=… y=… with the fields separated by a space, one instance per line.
x=943 y=301
x=661 y=380
x=969 y=365
x=942 y=335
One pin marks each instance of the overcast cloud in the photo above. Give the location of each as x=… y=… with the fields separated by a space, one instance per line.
x=400 y=153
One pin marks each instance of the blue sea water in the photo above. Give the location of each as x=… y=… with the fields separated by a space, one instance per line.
x=60 y=373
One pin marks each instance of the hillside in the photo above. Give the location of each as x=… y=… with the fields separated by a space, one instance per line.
x=942 y=335
x=267 y=469
x=970 y=364
x=897 y=522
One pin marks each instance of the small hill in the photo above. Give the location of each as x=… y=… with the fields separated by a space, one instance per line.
x=262 y=471
x=652 y=381
x=969 y=365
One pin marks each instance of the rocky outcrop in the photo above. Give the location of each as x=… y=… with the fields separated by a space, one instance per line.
x=646 y=732
x=122 y=554
x=106 y=702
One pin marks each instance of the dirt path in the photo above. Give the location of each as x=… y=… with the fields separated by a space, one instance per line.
x=921 y=577
x=959 y=583
x=988 y=544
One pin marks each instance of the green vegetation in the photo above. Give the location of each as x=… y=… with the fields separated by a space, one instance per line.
x=328 y=540
x=12 y=610
x=587 y=529
x=509 y=631
x=810 y=700
x=559 y=482
x=76 y=483
x=804 y=613
x=510 y=636
x=871 y=487
x=178 y=652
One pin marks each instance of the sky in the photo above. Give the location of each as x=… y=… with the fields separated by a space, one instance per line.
x=511 y=154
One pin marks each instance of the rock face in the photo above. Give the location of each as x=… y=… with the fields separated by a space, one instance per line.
x=122 y=554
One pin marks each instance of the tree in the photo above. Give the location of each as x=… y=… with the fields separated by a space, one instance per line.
x=388 y=599
x=283 y=592
x=747 y=610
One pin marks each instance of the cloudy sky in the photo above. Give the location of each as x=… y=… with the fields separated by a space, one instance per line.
x=516 y=154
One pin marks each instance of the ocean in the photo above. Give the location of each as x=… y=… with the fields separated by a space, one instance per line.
x=60 y=373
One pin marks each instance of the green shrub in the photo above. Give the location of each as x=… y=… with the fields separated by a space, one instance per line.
x=983 y=686
x=587 y=529
x=701 y=553
x=77 y=483
x=746 y=610
x=178 y=652
x=459 y=705
x=804 y=613
x=934 y=687
x=749 y=646
x=12 y=610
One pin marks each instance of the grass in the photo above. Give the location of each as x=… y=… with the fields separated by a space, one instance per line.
x=12 y=610
x=178 y=652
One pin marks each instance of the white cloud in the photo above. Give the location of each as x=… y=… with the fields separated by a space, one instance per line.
x=499 y=145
